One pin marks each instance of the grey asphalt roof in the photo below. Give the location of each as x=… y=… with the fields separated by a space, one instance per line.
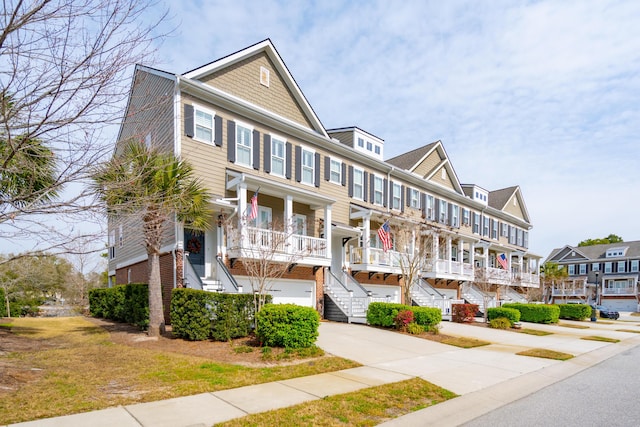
x=599 y=251
x=407 y=160
x=499 y=198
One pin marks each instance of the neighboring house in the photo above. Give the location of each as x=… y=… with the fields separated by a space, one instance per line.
x=247 y=129
x=607 y=273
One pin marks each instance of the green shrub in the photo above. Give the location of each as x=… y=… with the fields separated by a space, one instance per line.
x=415 y=329
x=574 y=311
x=536 y=313
x=402 y=319
x=427 y=316
x=511 y=314
x=123 y=303
x=136 y=297
x=197 y=315
x=384 y=313
x=500 y=323
x=3 y=304
x=463 y=313
x=287 y=325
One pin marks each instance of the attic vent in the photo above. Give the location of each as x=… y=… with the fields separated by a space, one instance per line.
x=515 y=202
x=444 y=173
x=264 y=76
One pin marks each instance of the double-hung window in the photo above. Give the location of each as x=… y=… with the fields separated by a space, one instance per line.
x=595 y=266
x=443 y=212
x=415 y=198
x=358 y=184
x=465 y=216
x=278 y=156
x=572 y=269
x=485 y=226
x=430 y=208
x=455 y=216
x=634 y=265
x=621 y=266
x=203 y=124
x=308 y=166
x=378 y=190
x=396 y=201
x=244 y=145
x=476 y=223
x=112 y=244
x=608 y=267
x=494 y=230
x=335 y=174
x=583 y=268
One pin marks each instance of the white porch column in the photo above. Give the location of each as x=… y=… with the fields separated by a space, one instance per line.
x=461 y=255
x=449 y=265
x=327 y=230
x=366 y=236
x=436 y=252
x=288 y=223
x=242 y=234
x=472 y=254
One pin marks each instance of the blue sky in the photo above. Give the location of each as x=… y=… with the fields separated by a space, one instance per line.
x=541 y=94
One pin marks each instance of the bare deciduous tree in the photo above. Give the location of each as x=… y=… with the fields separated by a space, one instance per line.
x=414 y=245
x=64 y=74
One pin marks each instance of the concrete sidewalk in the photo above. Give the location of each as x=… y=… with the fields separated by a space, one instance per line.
x=485 y=377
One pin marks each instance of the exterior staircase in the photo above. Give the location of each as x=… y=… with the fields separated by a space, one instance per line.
x=425 y=295
x=345 y=299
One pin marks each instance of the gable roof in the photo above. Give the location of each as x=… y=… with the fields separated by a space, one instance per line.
x=411 y=161
x=267 y=47
x=598 y=252
x=498 y=199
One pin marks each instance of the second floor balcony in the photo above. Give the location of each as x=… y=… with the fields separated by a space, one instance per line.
x=377 y=260
x=446 y=269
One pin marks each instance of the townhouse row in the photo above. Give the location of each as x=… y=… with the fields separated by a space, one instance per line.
x=314 y=199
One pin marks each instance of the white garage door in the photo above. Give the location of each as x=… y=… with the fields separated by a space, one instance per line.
x=620 y=304
x=299 y=292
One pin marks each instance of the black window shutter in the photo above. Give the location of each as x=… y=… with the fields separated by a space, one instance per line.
x=218 y=131
x=267 y=152
x=231 y=141
x=408 y=197
x=402 y=198
x=317 y=170
x=423 y=196
x=350 y=188
x=327 y=168
x=385 y=192
x=344 y=174
x=450 y=215
x=256 y=149
x=298 y=163
x=365 y=186
x=289 y=152
x=188 y=120
x=436 y=206
x=372 y=188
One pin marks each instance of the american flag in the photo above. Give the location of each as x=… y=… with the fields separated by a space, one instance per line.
x=502 y=260
x=384 y=233
x=253 y=212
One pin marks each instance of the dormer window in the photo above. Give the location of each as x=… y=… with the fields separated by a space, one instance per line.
x=615 y=252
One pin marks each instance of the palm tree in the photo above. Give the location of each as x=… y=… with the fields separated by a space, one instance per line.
x=154 y=185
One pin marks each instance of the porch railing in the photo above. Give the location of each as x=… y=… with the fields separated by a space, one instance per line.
x=260 y=239
x=376 y=257
x=630 y=290
x=443 y=266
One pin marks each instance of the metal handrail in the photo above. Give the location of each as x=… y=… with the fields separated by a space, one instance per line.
x=226 y=272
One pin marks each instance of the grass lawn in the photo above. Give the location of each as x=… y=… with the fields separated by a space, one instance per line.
x=536 y=332
x=367 y=407
x=546 y=354
x=69 y=365
x=599 y=338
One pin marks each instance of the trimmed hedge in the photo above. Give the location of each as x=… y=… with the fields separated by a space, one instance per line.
x=287 y=325
x=574 y=311
x=198 y=315
x=536 y=313
x=511 y=314
x=123 y=303
x=384 y=313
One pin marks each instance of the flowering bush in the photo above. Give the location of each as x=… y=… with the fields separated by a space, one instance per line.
x=402 y=319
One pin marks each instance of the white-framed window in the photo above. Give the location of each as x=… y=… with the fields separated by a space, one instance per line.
x=621 y=266
x=203 y=124
x=377 y=149
x=583 y=268
x=444 y=212
x=455 y=216
x=378 y=190
x=244 y=145
x=485 y=226
x=505 y=230
x=415 y=198
x=465 y=216
x=396 y=196
x=431 y=213
x=120 y=236
x=308 y=166
x=369 y=146
x=278 y=155
x=608 y=267
x=634 y=265
x=335 y=174
x=360 y=142
x=494 y=230
x=112 y=244
x=264 y=218
x=476 y=223
x=595 y=266
x=572 y=269
x=358 y=184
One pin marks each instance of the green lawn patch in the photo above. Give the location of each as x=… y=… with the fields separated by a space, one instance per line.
x=366 y=407
x=536 y=332
x=598 y=338
x=464 y=342
x=546 y=354
x=571 y=325
x=633 y=331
